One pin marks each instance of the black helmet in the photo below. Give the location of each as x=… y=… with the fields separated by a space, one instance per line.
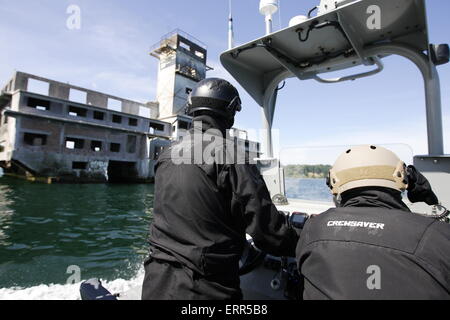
x=214 y=95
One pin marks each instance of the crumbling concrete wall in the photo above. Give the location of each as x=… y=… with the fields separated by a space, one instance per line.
x=49 y=135
x=62 y=91
x=55 y=159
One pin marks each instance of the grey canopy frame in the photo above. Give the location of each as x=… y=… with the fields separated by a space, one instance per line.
x=337 y=40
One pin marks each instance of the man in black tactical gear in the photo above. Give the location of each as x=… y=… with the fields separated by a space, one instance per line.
x=371 y=246
x=203 y=209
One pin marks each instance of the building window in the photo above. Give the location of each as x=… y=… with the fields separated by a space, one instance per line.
x=200 y=54
x=79 y=165
x=73 y=143
x=38 y=86
x=183 y=125
x=38 y=104
x=133 y=122
x=185 y=46
x=131 y=144
x=96 y=146
x=114 y=104
x=33 y=139
x=144 y=112
x=188 y=90
x=98 y=115
x=157 y=126
x=77 y=112
x=77 y=96
x=157 y=152
x=114 y=147
x=116 y=118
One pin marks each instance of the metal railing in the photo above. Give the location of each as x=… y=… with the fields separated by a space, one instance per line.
x=181 y=33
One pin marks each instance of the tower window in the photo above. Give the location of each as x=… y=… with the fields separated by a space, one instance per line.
x=185 y=46
x=200 y=54
x=188 y=90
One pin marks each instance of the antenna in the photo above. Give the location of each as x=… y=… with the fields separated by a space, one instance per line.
x=268 y=8
x=230 y=28
x=280 y=25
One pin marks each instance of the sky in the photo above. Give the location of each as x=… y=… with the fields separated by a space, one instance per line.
x=110 y=53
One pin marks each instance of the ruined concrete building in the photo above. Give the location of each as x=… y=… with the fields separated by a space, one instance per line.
x=55 y=131
x=75 y=134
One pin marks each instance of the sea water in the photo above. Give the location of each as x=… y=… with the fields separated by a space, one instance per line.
x=47 y=231
x=100 y=230
x=308 y=189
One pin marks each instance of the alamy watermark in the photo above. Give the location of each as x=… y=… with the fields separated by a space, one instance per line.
x=211 y=146
x=374 y=280
x=73 y=22
x=374 y=20
x=75 y=274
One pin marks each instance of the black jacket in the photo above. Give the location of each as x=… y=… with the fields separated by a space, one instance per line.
x=203 y=211
x=374 y=248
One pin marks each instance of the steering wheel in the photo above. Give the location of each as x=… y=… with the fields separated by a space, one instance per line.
x=251 y=258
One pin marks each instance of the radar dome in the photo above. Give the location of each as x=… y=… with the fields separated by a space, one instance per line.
x=297 y=20
x=268 y=7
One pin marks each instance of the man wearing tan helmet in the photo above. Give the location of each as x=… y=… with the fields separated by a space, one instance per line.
x=371 y=246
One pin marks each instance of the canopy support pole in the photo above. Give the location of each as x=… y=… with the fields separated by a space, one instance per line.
x=268 y=111
x=432 y=90
x=268 y=108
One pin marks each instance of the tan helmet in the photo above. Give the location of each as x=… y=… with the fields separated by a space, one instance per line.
x=367 y=166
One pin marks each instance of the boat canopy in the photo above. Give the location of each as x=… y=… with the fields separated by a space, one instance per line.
x=342 y=38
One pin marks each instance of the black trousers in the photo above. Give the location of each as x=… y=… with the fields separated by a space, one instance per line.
x=173 y=281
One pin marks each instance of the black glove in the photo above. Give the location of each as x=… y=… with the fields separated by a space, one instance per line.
x=419 y=189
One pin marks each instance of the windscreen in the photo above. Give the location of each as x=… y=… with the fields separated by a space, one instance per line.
x=306 y=168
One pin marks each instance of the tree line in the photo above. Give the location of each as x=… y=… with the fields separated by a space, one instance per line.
x=307 y=171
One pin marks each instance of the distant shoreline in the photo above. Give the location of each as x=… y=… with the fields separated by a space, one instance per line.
x=305 y=177
x=319 y=171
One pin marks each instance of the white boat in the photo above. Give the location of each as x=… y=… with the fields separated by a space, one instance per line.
x=341 y=29
x=346 y=40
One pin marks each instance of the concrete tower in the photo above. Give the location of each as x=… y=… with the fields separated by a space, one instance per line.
x=182 y=64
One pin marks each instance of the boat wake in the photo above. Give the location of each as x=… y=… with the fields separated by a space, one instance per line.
x=68 y=291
